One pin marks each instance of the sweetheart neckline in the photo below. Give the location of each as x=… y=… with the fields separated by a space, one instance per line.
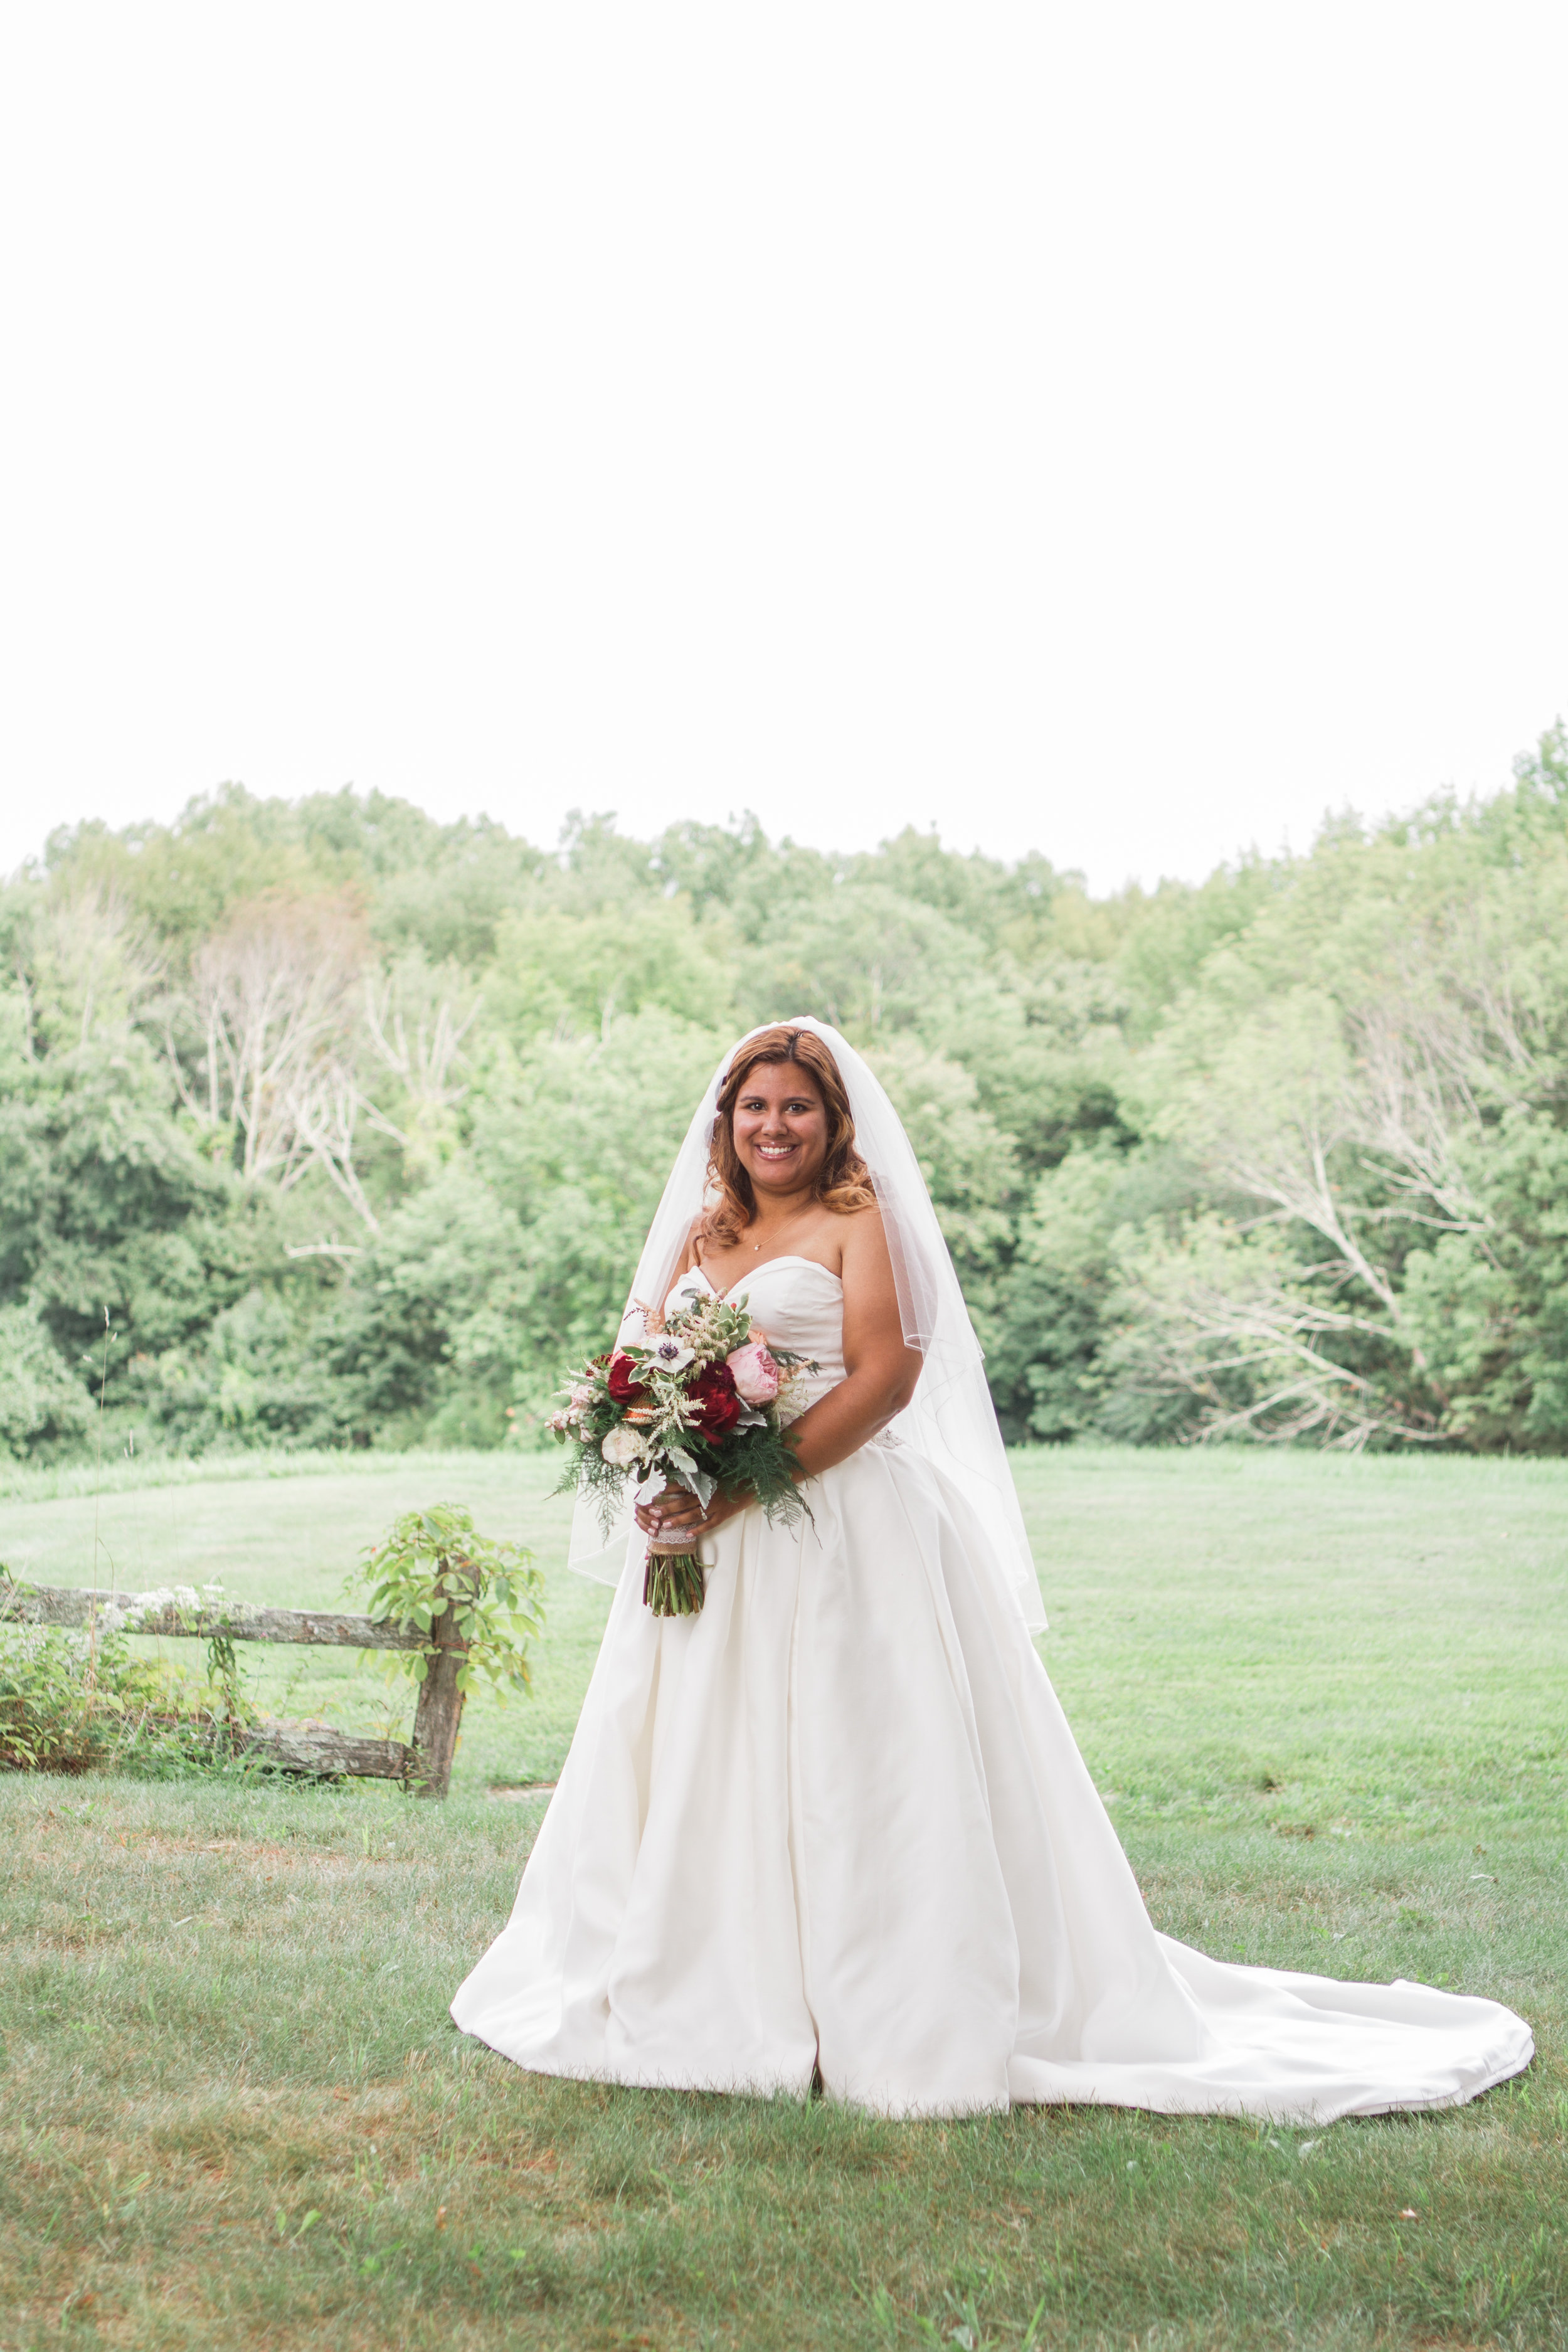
x=786 y=1257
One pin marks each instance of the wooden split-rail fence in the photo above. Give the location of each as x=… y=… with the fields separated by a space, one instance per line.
x=423 y=1765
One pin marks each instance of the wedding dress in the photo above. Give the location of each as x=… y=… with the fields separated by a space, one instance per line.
x=837 y=1820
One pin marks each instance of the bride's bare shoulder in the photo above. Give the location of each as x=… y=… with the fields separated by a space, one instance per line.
x=860 y=1235
x=689 y=1255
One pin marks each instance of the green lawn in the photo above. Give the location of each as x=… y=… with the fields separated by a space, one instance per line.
x=1327 y=1699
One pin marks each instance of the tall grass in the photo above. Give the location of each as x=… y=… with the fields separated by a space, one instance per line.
x=135 y=1474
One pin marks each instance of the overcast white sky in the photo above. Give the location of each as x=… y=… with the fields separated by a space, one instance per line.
x=1119 y=430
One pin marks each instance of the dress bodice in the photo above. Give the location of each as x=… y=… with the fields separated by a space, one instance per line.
x=799 y=1304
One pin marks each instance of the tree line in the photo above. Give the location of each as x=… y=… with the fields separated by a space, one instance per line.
x=325 y=1124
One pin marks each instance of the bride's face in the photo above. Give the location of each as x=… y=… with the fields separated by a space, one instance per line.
x=780 y=1127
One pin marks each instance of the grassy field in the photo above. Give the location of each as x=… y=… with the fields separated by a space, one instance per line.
x=1327 y=1700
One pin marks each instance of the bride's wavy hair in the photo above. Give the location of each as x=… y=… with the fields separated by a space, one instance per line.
x=843 y=1181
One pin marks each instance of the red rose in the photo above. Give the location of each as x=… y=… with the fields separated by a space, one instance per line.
x=618 y=1380
x=714 y=1396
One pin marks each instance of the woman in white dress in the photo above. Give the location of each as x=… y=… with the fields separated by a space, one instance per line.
x=834 y=1826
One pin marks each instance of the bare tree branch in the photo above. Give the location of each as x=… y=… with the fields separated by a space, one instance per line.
x=426 y=1058
x=275 y=997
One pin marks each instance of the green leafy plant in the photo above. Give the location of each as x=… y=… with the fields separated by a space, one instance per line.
x=48 y=1720
x=227 y=1680
x=79 y=1700
x=432 y=1560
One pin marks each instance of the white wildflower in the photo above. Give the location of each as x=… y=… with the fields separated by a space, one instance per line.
x=184 y=1599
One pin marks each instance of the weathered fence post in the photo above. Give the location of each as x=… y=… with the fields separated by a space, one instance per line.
x=440 y=1710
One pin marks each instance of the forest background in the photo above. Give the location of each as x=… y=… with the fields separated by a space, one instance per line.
x=322 y=1123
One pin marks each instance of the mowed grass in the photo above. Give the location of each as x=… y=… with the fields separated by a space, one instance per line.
x=1327 y=1700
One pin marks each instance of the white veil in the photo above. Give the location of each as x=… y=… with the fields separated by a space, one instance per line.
x=951 y=1419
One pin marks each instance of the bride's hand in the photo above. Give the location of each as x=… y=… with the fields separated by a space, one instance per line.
x=677 y=1518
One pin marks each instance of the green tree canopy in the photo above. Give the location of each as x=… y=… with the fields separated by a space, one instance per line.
x=352 y=1121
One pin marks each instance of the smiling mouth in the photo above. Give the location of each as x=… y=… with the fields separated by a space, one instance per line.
x=774 y=1151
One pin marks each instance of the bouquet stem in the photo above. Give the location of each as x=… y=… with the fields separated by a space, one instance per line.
x=672 y=1584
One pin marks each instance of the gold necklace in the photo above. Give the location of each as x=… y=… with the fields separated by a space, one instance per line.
x=788 y=1221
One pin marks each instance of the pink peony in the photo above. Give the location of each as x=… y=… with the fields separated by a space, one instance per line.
x=756 y=1373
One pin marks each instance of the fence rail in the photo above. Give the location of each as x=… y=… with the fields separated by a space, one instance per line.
x=424 y=1764
x=72 y=1604
x=317 y=1749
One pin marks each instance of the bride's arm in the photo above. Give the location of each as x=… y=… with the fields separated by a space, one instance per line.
x=689 y=1255
x=880 y=1376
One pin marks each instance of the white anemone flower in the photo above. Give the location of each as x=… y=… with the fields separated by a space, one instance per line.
x=667 y=1355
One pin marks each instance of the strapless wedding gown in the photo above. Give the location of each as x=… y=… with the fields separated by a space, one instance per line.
x=837 y=1820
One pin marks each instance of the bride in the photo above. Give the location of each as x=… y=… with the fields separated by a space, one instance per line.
x=835 y=1826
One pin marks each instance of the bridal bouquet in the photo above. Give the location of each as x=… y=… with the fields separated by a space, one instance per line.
x=694 y=1399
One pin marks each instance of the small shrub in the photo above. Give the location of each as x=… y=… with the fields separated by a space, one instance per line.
x=67 y=1701
x=81 y=1700
x=430 y=1560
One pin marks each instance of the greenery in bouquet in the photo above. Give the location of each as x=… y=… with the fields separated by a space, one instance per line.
x=695 y=1399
